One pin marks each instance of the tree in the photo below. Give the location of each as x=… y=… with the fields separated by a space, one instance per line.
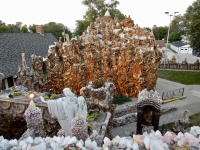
x=52 y=27
x=97 y=9
x=114 y=12
x=177 y=24
x=14 y=28
x=24 y=29
x=2 y=23
x=81 y=26
x=160 y=32
x=56 y=29
x=32 y=28
x=192 y=14
x=4 y=29
x=174 y=36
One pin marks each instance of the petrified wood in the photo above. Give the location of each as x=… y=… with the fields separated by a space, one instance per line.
x=118 y=51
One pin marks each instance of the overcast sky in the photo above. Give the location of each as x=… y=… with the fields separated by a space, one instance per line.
x=145 y=13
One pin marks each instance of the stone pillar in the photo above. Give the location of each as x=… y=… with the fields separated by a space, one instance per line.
x=79 y=128
x=33 y=117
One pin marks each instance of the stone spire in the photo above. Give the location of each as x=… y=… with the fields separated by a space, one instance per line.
x=107 y=14
x=31 y=106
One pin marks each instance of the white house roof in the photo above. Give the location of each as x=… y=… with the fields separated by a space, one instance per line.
x=186 y=46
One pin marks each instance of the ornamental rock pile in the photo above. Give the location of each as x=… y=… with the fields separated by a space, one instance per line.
x=117 y=51
x=151 y=141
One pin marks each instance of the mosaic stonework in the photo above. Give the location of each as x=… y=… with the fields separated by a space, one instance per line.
x=116 y=51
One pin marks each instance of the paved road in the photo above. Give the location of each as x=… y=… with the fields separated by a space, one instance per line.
x=191 y=103
x=181 y=57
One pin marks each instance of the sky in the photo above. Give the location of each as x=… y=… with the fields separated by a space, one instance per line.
x=145 y=13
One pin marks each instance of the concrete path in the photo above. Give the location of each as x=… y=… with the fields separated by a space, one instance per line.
x=191 y=103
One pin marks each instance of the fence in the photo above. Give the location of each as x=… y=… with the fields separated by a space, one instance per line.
x=173 y=94
x=181 y=66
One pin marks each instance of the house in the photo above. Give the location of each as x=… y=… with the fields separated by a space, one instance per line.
x=181 y=47
x=186 y=49
x=160 y=43
x=12 y=45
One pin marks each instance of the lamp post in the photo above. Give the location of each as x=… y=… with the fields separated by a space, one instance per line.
x=168 y=36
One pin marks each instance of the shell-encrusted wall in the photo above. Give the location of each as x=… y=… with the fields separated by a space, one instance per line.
x=117 y=51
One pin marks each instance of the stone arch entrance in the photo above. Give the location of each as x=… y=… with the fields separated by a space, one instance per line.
x=148 y=115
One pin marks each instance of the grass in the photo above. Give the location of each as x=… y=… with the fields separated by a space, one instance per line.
x=184 y=77
x=195 y=119
x=168 y=46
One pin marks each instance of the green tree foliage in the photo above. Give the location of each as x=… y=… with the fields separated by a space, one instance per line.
x=192 y=14
x=32 y=28
x=194 y=26
x=52 y=27
x=160 y=32
x=56 y=29
x=177 y=24
x=81 y=26
x=177 y=28
x=174 y=36
x=24 y=29
x=2 y=23
x=97 y=9
x=4 y=28
x=15 y=28
x=113 y=12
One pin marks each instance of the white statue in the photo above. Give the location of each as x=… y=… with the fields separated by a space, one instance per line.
x=65 y=109
x=24 y=65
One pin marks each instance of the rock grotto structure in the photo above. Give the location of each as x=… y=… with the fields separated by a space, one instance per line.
x=116 y=51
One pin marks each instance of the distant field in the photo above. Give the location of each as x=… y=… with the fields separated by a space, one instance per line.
x=184 y=77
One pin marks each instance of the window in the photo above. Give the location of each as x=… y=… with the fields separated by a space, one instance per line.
x=186 y=49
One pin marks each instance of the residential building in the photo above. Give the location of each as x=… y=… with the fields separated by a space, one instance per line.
x=181 y=47
x=12 y=45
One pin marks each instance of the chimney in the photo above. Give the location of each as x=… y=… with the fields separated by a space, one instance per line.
x=40 y=29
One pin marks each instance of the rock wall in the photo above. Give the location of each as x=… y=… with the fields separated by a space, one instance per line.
x=117 y=51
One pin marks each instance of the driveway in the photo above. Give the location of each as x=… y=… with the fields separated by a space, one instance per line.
x=181 y=57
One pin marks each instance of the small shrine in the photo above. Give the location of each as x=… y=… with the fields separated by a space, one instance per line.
x=148 y=110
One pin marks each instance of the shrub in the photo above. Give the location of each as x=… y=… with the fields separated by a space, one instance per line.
x=16 y=93
x=92 y=115
x=51 y=97
x=120 y=99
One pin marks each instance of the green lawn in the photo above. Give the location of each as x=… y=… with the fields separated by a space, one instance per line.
x=184 y=77
x=195 y=119
x=168 y=46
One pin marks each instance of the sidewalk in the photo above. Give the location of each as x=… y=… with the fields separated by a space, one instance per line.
x=191 y=103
